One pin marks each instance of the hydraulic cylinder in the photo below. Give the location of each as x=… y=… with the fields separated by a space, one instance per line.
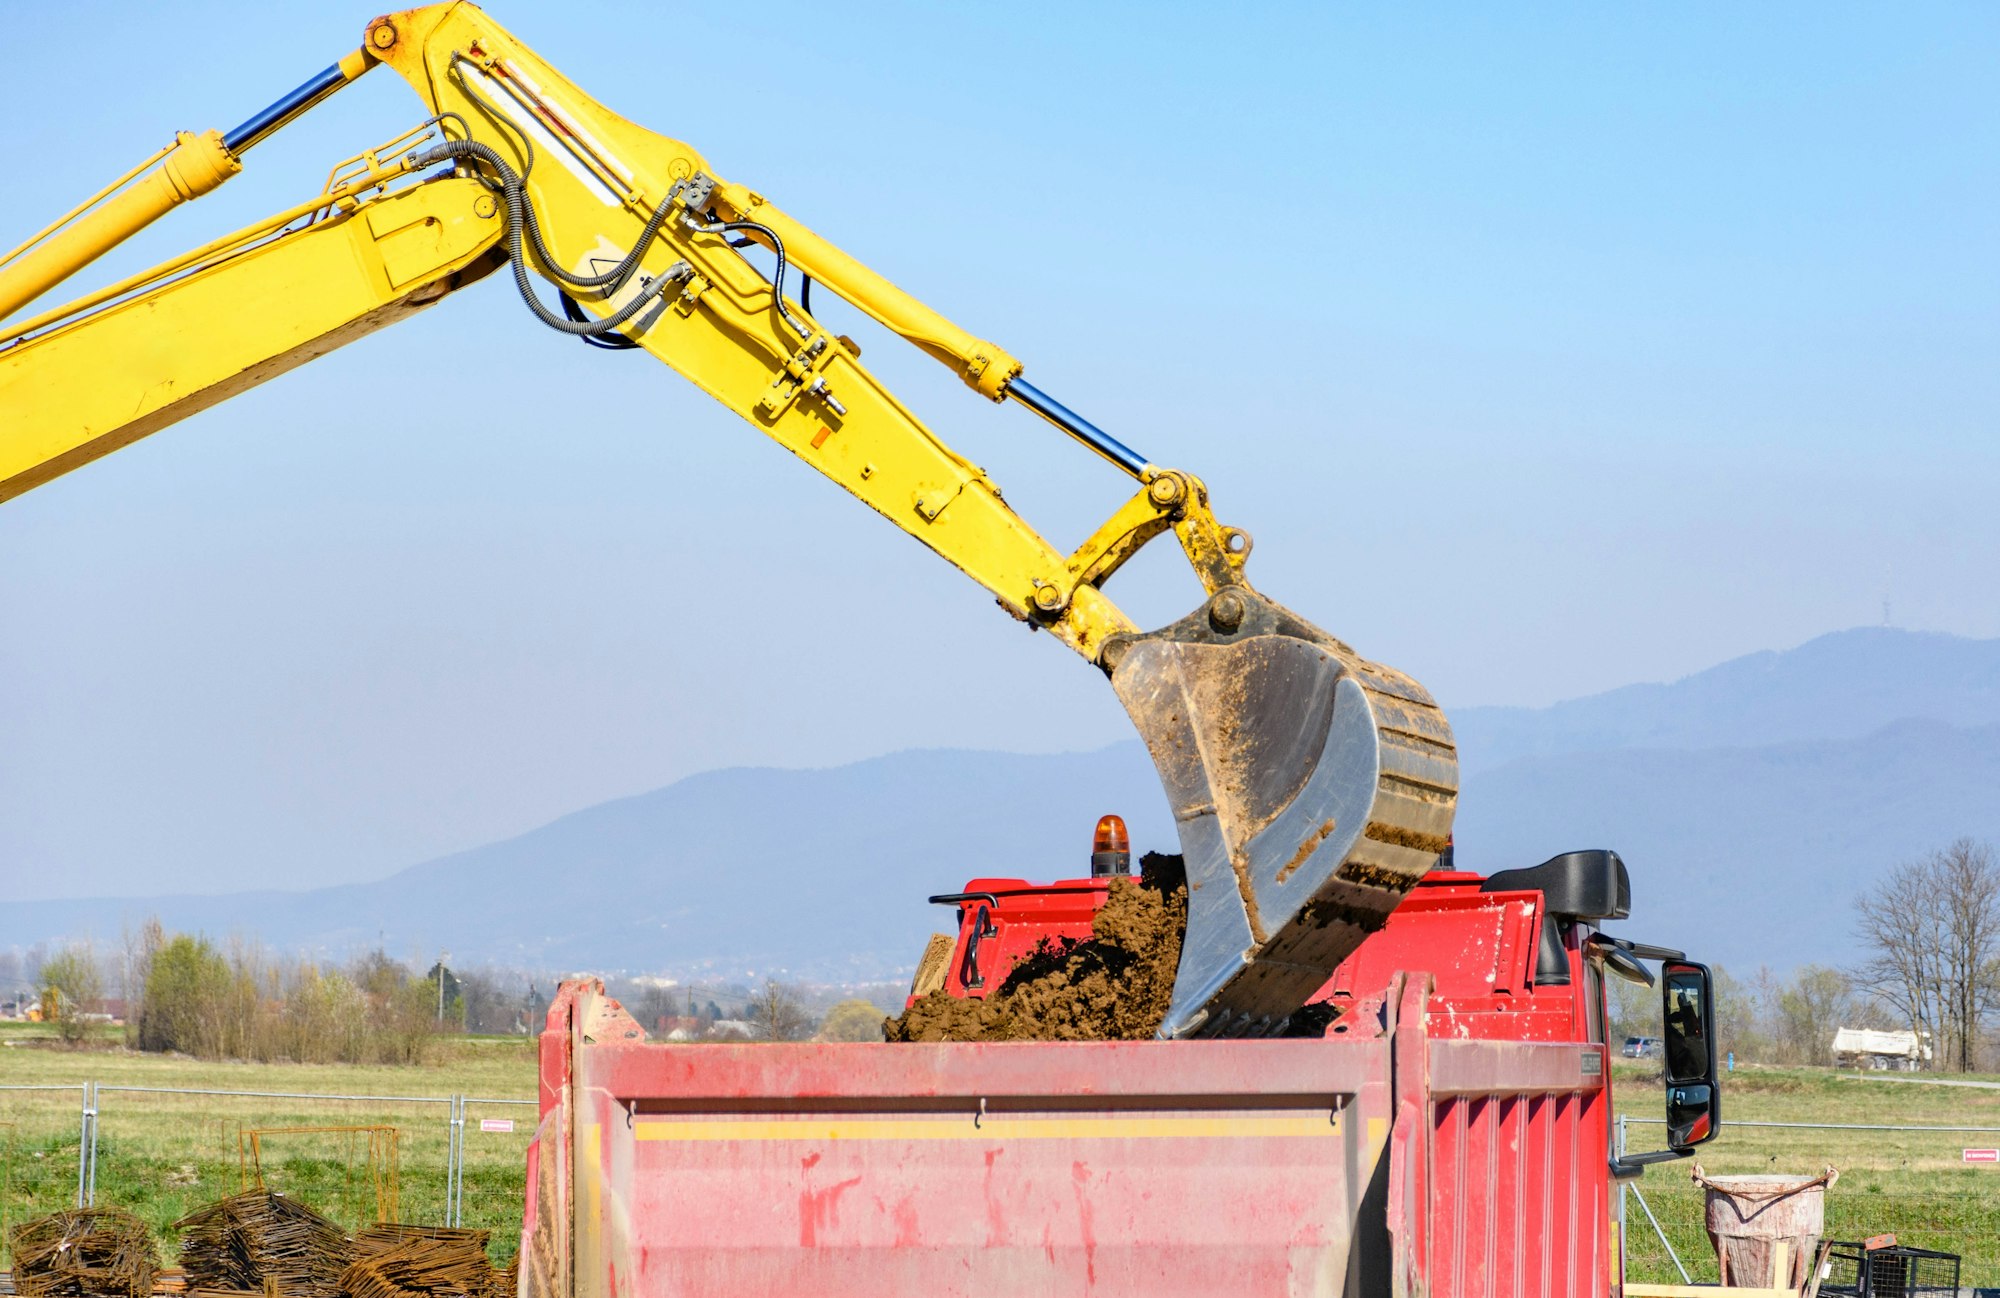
x=196 y=165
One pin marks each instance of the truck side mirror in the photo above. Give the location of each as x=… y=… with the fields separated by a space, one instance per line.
x=1694 y=1101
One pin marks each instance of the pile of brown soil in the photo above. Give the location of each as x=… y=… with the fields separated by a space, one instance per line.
x=1115 y=986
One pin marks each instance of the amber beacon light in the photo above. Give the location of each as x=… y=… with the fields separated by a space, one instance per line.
x=1110 y=849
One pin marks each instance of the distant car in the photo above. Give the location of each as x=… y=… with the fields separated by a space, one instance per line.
x=1642 y=1047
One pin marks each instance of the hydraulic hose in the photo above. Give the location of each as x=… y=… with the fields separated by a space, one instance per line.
x=617 y=275
x=777 y=277
x=520 y=215
x=614 y=277
x=572 y=310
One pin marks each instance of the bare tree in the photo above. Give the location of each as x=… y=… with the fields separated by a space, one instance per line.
x=656 y=1001
x=490 y=1005
x=1738 y=1027
x=1634 y=1010
x=1972 y=931
x=72 y=974
x=135 y=965
x=1809 y=1010
x=778 y=1014
x=1932 y=928
x=852 y=1020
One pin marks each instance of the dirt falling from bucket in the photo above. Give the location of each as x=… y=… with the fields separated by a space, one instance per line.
x=1114 y=986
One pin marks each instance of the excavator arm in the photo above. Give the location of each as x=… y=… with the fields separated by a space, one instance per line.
x=1311 y=788
x=85 y=379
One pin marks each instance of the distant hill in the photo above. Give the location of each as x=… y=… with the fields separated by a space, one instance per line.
x=1745 y=856
x=1839 y=686
x=745 y=872
x=1752 y=802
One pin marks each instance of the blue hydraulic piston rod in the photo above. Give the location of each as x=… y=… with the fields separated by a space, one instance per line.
x=270 y=119
x=1080 y=428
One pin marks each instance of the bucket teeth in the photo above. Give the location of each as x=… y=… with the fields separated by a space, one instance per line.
x=1311 y=789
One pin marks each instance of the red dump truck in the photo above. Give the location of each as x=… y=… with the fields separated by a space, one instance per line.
x=1447 y=1134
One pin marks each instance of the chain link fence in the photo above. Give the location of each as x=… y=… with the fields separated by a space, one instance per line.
x=161 y=1153
x=1910 y=1181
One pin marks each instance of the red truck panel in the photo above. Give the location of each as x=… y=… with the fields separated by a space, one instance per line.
x=1388 y=1162
x=1480 y=948
x=1521 y=1204
x=1018 y=917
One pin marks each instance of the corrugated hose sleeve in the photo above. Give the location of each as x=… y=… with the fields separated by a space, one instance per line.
x=520 y=214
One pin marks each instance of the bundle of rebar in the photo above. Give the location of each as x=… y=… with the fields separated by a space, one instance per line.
x=385 y=1235
x=83 y=1253
x=246 y=1241
x=401 y=1261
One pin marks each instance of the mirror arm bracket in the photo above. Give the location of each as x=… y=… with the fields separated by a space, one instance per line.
x=1633 y=1166
x=1636 y=949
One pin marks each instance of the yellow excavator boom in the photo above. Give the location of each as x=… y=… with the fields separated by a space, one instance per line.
x=1311 y=788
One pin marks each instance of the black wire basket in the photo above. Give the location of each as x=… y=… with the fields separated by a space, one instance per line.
x=1854 y=1271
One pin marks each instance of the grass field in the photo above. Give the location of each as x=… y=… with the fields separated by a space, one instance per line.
x=1911 y=1183
x=163 y=1155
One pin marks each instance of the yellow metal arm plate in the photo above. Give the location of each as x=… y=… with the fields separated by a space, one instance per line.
x=90 y=383
x=593 y=180
x=86 y=388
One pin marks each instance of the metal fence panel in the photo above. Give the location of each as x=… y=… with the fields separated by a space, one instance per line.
x=162 y=1153
x=493 y=1167
x=458 y=1160
x=42 y=1149
x=1954 y=1207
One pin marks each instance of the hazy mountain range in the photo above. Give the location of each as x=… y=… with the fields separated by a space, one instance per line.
x=1752 y=801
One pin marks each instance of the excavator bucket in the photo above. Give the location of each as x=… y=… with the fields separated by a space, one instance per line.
x=1311 y=788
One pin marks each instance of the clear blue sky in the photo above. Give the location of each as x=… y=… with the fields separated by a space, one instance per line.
x=1542 y=352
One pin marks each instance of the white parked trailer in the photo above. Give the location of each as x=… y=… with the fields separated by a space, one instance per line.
x=1872 y=1048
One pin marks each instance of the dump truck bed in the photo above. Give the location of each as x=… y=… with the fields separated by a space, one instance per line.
x=1376 y=1162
